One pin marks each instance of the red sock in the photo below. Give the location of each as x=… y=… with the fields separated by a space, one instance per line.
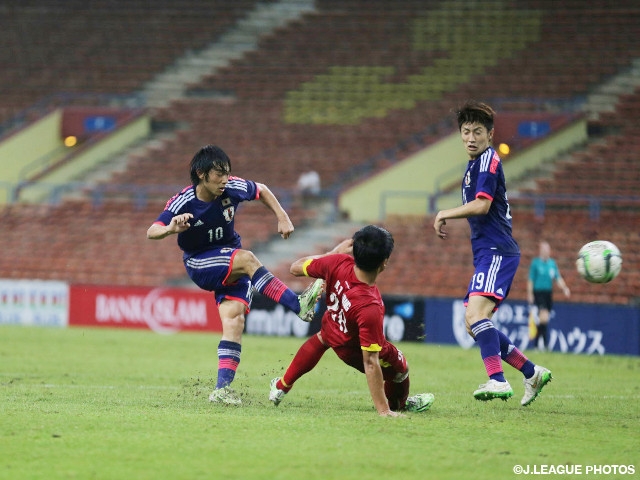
x=397 y=394
x=307 y=357
x=516 y=358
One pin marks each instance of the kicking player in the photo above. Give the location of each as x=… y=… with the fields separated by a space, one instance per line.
x=202 y=215
x=353 y=324
x=495 y=255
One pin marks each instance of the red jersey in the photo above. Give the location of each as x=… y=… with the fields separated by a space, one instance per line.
x=355 y=311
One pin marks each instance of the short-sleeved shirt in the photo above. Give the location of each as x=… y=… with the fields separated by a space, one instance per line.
x=543 y=273
x=355 y=310
x=490 y=233
x=212 y=225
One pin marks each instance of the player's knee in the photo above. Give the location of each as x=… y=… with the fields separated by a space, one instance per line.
x=400 y=377
x=245 y=262
x=470 y=319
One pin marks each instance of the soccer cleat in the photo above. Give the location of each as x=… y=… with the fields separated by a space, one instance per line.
x=419 y=403
x=493 y=389
x=308 y=300
x=533 y=386
x=226 y=395
x=275 y=394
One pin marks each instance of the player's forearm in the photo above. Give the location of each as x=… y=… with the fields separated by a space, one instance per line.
x=478 y=206
x=158 y=231
x=297 y=267
x=375 y=381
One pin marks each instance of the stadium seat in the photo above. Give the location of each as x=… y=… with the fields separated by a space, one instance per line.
x=370 y=47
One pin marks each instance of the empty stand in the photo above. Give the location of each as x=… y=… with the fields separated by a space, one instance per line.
x=50 y=47
x=333 y=90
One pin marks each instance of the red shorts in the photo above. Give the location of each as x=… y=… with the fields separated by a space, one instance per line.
x=393 y=363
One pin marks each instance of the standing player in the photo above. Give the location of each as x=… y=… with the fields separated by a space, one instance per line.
x=202 y=215
x=495 y=255
x=353 y=323
x=542 y=273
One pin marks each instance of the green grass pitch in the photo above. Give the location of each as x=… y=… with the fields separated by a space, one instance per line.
x=130 y=404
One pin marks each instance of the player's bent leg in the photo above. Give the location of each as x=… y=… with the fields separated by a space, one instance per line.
x=534 y=385
x=395 y=371
x=397 y=393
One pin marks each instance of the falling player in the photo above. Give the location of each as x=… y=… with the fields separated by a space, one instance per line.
x=353 y=323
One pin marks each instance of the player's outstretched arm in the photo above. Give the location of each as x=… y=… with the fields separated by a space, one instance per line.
x=285 y=227
x=297 y=267
x=375 y=381
x=178 y=224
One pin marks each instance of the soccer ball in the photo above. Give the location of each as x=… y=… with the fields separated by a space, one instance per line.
x=599 y=261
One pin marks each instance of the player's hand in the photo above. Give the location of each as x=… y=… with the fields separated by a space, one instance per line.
x=285 y=228
x=346 y=246
x=438 y=224
x=180 y=223
x=391 y=413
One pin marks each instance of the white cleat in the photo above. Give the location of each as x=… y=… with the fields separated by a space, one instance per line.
x=275 y=394
x=493 y=389
x=225 y=395
x=533 y=386
x=308 y=300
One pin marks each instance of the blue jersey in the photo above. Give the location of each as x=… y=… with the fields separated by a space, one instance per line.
x=490 y=233
x=212 y=225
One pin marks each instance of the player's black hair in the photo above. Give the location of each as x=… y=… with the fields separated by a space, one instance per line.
x=209 y=157
x=372 y=245
x=475 y=112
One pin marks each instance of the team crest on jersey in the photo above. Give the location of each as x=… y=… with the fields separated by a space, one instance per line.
x=228 y=213
x=467 y=179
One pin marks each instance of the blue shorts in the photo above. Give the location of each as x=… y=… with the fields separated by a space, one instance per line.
x=210 y=270
x=493 y=277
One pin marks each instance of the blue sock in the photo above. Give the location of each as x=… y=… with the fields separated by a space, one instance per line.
x=514 y=357
x=228 y=360
x=271 y=286
x=488 y=340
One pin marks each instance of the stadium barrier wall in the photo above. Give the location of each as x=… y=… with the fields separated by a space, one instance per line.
x=57 y=304
x=163 y=310
x=574 y=328
x=403 y=320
